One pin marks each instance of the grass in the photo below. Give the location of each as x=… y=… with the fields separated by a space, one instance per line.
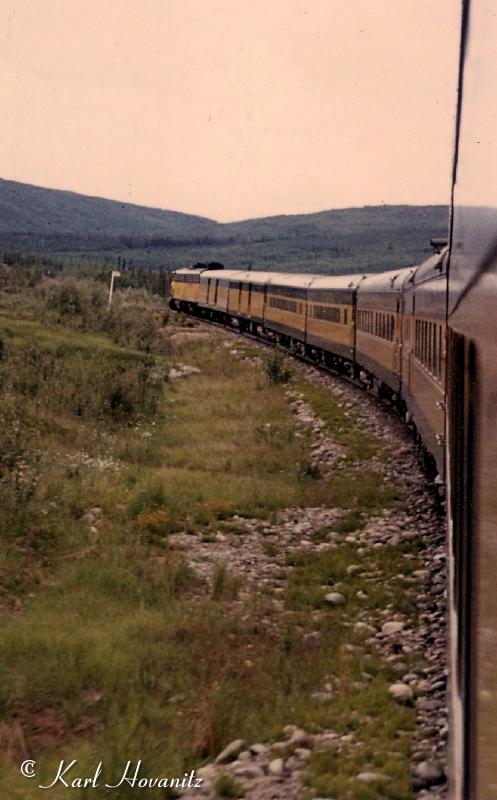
x=62 y=340
x=120 y=649
x=340 y=422
x=226 y=786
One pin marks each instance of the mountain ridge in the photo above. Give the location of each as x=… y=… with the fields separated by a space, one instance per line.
x=83 y=227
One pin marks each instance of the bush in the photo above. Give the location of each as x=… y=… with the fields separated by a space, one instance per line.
x=83 y=385
x=226 y=786
x=277 y=370
x=135 y=319
x=152 y=497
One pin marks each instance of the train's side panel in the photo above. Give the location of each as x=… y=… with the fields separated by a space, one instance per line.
x=472 y=413
x=214 y=289
x=424 y=355
x=222 y=295
x=252 y=301
x=247 y=295
x=285 y=311
x=378 y=329
x=234 y=296
x=330 y=321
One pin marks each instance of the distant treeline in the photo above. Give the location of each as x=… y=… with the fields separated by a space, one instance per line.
x=78 y=229
x=18 y=268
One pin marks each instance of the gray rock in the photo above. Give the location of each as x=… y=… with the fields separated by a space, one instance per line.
x=429 y=773
x=248 y=771
x=258 y=749
x=429 y=705
x=364 y=629
x=207 y=773
x=335 y=599
x=400 y=692
x=276 y=766
x=300 y=738
x=371 y=777
x=391 y=628
x=230 y=752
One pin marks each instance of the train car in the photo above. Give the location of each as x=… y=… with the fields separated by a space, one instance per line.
x=424 y=353
x=378 y=345
x=285 y=309
x=472 y=416
x=330 y=323
x=214 y=289
x=236 y=299
x=247 y=298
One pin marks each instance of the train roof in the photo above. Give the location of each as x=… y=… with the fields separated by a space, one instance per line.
x=248 y=276
x=220 y=274
x=337 y=281
x=292 y=281
x=187 y=271
x=224 y=274
x=394 y=279
x=431 y=268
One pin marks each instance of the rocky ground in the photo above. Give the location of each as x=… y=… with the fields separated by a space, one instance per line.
x=256 y=551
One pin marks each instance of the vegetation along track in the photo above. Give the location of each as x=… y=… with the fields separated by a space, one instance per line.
x=307 y=524
x=366 y=569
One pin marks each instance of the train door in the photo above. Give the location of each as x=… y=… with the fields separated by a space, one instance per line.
x=410 y=331
x=463 y=413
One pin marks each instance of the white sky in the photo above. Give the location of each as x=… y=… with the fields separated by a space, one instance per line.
x=231 y=108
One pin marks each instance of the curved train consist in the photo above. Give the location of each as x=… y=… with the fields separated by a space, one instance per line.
x=427 y=337
x=385 y=330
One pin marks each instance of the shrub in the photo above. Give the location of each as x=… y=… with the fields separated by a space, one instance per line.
x=156 y=523
x=224 y=585
x=220 y=509
x=226 y=786
x=152 y=497
x=81 y=384
x=277 y=370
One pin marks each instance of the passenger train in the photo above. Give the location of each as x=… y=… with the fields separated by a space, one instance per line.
x=387 y=331
x=427 y=337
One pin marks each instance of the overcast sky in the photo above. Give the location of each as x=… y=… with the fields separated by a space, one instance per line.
x=231 y=108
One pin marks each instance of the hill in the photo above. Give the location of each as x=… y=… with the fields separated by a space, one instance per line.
x=76 y=227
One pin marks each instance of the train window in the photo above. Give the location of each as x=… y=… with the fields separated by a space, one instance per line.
x=284 y=304
x=345 y=316
x=428 y=346
x=377 y=323
x=327 y=313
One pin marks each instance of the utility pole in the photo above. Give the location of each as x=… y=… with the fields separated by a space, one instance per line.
x=114 y=274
